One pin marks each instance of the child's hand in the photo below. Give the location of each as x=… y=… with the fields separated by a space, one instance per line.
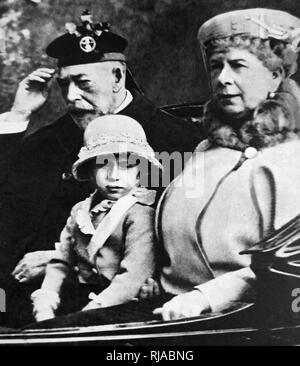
x=91 y=305
x=44 y=315
x=149 y=289
x=44 y=302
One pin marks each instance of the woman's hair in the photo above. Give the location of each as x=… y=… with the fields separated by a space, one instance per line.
x=274 y=121
x=273 y=53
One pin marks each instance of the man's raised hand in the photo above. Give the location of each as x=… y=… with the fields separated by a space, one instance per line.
x=32 y=92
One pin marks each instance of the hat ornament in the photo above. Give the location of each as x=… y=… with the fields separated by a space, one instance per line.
x=277 y=32
x=87 y=28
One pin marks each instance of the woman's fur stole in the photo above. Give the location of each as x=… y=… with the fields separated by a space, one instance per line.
x=274 y=121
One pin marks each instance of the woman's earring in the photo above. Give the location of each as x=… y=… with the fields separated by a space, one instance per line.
x=271 y=95
x=116 y=88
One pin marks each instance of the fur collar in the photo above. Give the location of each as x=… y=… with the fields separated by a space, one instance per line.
x=274 y=121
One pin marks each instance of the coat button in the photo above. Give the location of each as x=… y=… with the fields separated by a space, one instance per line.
x=95 y=271
x=66 y=176
x=250 y=152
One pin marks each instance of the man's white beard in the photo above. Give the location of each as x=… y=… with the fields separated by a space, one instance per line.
x=82 y=115
x=82 y=120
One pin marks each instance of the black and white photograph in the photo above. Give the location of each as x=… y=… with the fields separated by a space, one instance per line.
x=149 y=175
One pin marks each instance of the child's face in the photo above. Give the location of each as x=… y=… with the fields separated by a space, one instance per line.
x=116 y=175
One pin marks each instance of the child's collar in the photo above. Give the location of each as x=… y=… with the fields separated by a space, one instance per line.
x=144 y=196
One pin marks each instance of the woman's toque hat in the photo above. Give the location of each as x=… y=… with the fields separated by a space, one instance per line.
x=257 y=23
x=113 y=134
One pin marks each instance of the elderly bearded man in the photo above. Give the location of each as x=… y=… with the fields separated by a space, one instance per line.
x=37 y=188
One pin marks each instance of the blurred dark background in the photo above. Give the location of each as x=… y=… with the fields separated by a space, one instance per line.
x=163 y=52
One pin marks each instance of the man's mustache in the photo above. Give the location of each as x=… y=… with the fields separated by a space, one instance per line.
x=80 y=112
x=74 y=109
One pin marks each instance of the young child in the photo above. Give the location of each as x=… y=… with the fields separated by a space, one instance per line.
x=109 y=237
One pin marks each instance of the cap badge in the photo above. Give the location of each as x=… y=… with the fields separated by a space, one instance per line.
x=87 y=44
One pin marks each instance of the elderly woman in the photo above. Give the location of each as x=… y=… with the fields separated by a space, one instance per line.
x=244 y=180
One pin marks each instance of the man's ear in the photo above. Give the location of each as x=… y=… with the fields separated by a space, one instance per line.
x=118 y=77
x=118 y=74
